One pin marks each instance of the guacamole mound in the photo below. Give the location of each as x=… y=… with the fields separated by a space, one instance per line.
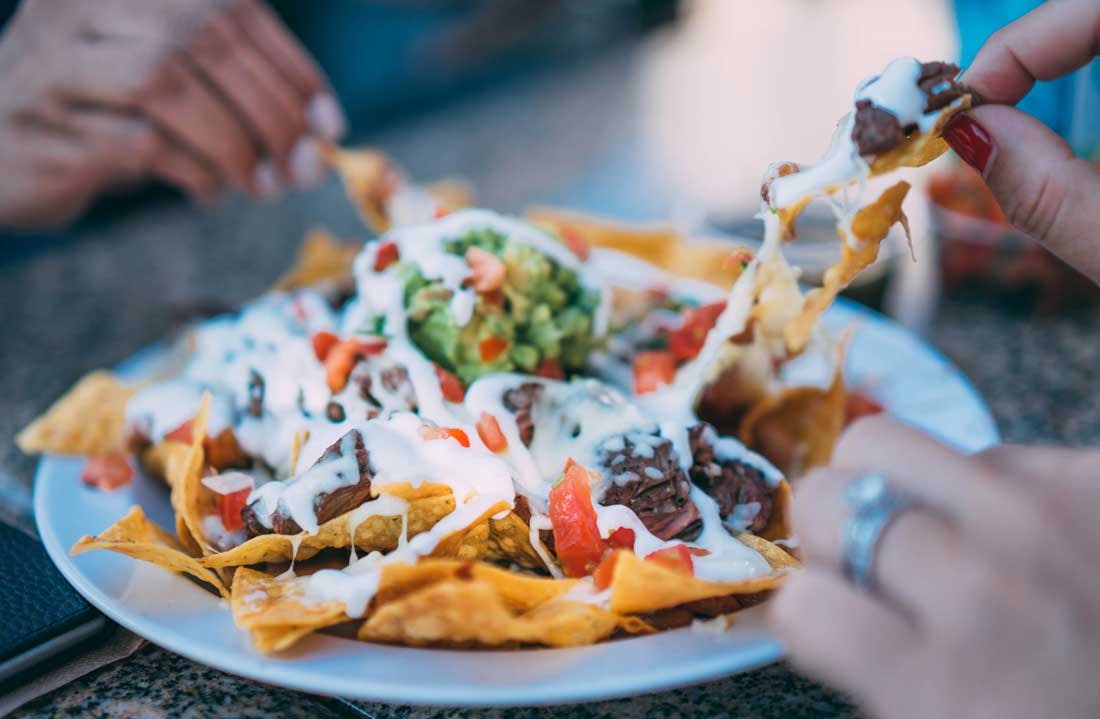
x=542 y=312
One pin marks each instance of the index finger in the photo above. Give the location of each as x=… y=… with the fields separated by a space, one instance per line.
x=276 y=43
x=1053 y=40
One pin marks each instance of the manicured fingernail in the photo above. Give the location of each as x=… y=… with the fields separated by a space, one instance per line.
x=971 y=141
x=266 y=180
x=325 y=117
x=306 y=167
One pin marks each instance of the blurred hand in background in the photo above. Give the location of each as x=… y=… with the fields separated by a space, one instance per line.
x=202 y=94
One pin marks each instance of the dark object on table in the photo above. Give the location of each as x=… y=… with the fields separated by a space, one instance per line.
x=41 y=615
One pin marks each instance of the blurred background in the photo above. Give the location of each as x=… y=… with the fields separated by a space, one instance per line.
x=662 y=111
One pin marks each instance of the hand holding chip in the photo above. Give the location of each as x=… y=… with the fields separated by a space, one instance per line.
x=987 y=594
x=201 y=94
x=1041 y=186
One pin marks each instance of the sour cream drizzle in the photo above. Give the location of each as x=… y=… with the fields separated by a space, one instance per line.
x=272 y=338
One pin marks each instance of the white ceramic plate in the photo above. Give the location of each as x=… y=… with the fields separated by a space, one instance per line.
x=915 y=382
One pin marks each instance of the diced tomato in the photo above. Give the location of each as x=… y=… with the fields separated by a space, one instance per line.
x=677 y=557
x=622 y=538
x=454 y=433
x=323 y=342
x=450 y=384
x=653 y=370
x=687 y=340
x=487 y=271
x=605 y=571
x=859 y=404
x=298 y=308
x=489 y=430
x=491 y=348
x=740 y=257
x=230 y=506
x=343 y=355
x=577 y=539
x=572 y=238
x=386 y=256
x=107 y=471
x=441 y=212
x=182 y=433
x=550 y=368
x=339 y=362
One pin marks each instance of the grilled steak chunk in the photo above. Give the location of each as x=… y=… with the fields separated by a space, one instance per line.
x=519 y=401
x=730 y=482
x=327 y=504
x=645 y=475
x=877 y=130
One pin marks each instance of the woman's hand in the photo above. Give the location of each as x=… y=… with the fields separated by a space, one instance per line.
x=200 y=93
x=988 y=599
x=1043 y=189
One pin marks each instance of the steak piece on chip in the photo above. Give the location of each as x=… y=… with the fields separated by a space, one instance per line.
x=644 y=474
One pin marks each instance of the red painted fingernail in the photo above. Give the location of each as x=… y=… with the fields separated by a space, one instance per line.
x=971 y=141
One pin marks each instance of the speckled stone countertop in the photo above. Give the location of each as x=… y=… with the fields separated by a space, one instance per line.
x=116 y=286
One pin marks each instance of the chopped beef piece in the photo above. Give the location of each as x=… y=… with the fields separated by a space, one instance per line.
x=937 y=80
x=394 y=377
x=645 y=475
x=876 y=130
x=730 y=482
x=520 y=401
x=335 y=411
x=255 y=393
x=327 y=504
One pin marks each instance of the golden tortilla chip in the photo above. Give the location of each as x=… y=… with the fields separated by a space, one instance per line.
x=660 y=246
x=779 y=525
x=472 y=612
x=510 y=541
x=375 y=533
x=135 y=536
x=453 y=193
x=797 y=428
x=773 y=554
x=922 y=147
x=275 y=612
x=519 y=592
x=369 y=178
x=190 y=499
x=321 y=257
x=639 y=586
x=869 y=228
x=89 y=419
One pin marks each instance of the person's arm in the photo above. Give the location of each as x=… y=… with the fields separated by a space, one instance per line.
x=202 y=94
x=1042 y=187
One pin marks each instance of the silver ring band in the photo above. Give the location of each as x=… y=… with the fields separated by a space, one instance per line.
x=874 y=505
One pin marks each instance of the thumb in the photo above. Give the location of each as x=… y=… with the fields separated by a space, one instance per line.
x=1042 y=187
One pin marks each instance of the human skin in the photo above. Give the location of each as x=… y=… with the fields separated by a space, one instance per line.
x=201 y=94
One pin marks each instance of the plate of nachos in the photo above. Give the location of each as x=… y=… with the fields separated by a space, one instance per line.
x=491 y=460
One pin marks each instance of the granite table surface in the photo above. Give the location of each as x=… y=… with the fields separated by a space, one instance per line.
x=115 y=286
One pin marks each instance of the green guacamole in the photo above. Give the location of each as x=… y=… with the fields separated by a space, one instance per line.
x=545 y=313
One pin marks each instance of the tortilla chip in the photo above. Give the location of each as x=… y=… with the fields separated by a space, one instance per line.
x=510 y=541
x=137 y=537
x=376 y=533
x=639 y=586
x=869 y=228
x=453 y=193
x=321 y=257
x=369 y=178
x=660 y=246
x=472 y=612
x=190 y=499
x=519 y=592
x=773 y=554
x=89 y=419
x=922 y=147
x=797 y=428
x=779 y=525
x=274 y=610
